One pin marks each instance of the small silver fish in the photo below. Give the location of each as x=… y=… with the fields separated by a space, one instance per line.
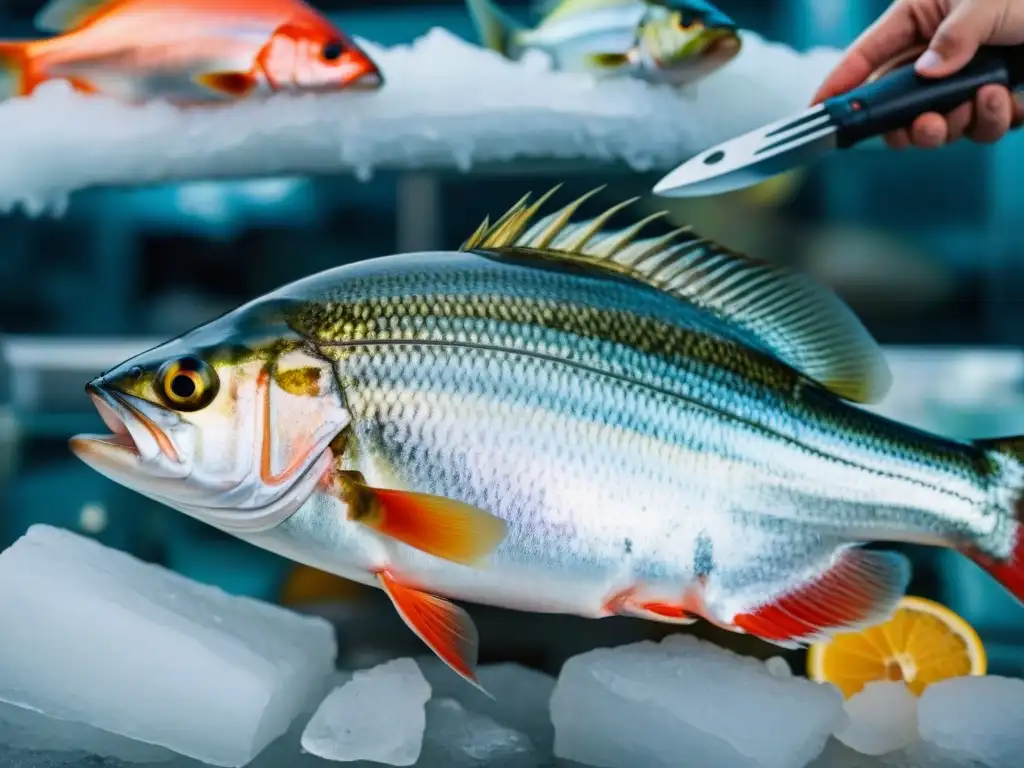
x=561 y=417
x=677 y=42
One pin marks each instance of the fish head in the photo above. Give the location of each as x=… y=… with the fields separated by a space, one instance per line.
x=315 y=56
x=232 y=429
x=681 y=45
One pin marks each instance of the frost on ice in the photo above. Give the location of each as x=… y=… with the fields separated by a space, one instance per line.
x=92 y=635
x=447 y=104
x=648 y=704
x=377 y=715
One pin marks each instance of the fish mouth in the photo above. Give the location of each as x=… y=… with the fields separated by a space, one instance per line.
x=721 y=45
x=135 y=438
x=150 y=450
x=372 y=80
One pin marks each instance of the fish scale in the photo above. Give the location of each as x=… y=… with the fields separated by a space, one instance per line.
x=563 y=417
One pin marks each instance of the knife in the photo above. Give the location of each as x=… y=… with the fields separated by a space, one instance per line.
x=892 y=101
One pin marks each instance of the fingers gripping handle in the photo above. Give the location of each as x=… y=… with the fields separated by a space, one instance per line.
x=896 y=99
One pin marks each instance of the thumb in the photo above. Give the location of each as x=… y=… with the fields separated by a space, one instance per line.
x=958 y=37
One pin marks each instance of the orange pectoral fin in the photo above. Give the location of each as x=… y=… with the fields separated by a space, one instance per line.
x=436 y=525
x=861 y=588
x=446 y=629
x=234 y=84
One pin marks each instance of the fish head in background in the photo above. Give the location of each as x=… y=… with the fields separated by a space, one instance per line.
x=312 y=55
x=230 y=423
x=683 y=41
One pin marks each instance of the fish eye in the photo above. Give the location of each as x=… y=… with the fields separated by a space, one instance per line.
x=187 y=384
x=332 y=50
x=685 y=20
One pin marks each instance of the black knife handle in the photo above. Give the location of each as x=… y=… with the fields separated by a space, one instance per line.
x=896 y=99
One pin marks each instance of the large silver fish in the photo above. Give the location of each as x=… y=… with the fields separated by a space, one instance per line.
x=663 y=41
x=565 y=418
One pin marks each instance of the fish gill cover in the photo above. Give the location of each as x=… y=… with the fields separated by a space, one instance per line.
x=56 y=141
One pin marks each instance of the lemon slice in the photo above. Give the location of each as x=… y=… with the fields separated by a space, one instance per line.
x=923 y=642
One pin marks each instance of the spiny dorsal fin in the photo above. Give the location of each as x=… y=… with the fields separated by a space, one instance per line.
x=802 y=323
x=66 y=15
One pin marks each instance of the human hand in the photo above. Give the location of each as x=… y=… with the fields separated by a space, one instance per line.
x=953 y=31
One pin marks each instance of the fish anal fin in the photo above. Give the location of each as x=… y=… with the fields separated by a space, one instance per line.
x=235 y=84
x=433 y=524
x=666 y=613
x=784 y=313
x=68 y=15
x=81 y=85
x=446 y=629
x=862 y=588
x=629 y=602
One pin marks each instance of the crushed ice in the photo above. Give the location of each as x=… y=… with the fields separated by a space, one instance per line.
x=159 y=668
x=447 y=103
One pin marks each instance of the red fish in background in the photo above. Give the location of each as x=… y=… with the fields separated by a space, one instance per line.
x=189 y=52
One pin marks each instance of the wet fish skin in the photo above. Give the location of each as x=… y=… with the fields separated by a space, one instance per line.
x=647 y=427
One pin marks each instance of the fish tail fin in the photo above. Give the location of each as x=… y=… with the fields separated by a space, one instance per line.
x=13 y=68
x=496 y=28
x=1007 y=455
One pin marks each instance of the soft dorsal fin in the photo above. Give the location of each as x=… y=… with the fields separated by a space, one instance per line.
x=67 y=15
x=802 y=323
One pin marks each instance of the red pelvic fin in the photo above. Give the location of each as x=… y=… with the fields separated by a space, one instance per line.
x=446 y=629
x=861 y=588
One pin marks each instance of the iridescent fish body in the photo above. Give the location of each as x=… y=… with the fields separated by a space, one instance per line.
x=561 y=417
x=664 y=41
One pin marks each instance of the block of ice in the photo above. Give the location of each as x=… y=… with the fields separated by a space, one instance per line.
x=26 y=730
x=978 y=716
x=649 y=704
x=448 y=104
x=378 y=715
x=881 y=718
x=521 y=696
x=458 y=738
x=93 y=635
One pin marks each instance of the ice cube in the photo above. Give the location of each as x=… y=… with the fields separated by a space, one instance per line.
x=521 y=696
x=378 y=715
x=982 y=717
x=458 y=738
x=447 y=103
x=96 y=636
x=882 y=718
x=649 y=704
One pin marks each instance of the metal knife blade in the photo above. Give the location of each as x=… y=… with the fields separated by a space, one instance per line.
x=891 y=101
x=753 y=157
